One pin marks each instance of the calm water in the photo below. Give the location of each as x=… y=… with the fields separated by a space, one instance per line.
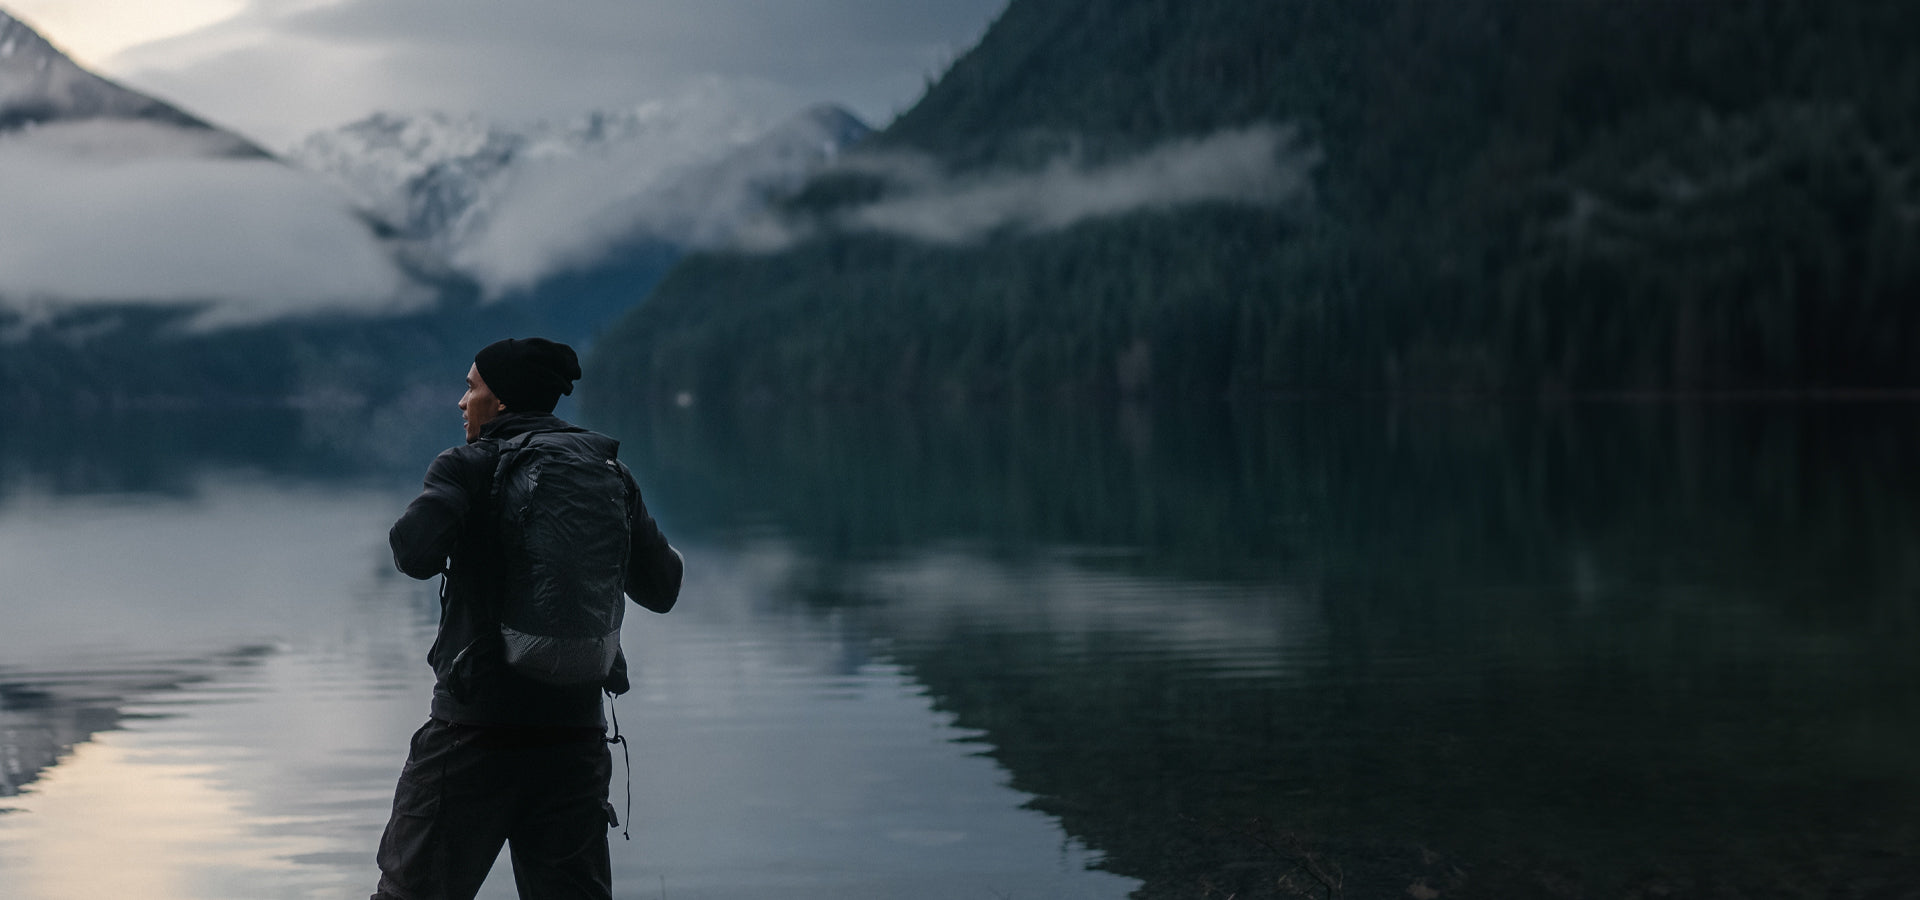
x=1307 y=650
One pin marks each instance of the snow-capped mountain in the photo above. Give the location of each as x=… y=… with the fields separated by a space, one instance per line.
x=116 y=199
x=511 y=205
x=420 y=174
x=40 y=86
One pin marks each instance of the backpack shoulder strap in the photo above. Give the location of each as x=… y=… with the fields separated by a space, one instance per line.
x=503 y=451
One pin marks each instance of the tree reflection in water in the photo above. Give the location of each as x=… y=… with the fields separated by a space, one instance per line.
x=1377 y=650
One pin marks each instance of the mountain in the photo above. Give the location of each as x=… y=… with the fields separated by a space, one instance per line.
x=147 y=256
x=513 y=206
x=40 y=86
x=119 y=202
x=1207 y=198
x=420 y=174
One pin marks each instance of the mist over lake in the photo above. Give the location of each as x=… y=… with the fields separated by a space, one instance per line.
x=1023 y=652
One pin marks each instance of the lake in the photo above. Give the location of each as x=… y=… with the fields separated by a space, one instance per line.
x=1307 y=649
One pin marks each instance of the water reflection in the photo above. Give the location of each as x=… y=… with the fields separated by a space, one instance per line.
x=202 y=791
x=169 y=453
x=45 y=714
x=774 y=750
x=1597 y=651
x=1613 y=650
x=203 y=673
x=779 y=750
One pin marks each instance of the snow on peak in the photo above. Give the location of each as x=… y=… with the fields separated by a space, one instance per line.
x=509 y=205
x=115 y=198
x=40 y=86
x=419 y=173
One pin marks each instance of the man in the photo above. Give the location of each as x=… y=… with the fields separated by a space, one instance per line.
x=506 y=758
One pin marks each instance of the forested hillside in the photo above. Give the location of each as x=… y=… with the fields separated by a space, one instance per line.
x=1501 y=196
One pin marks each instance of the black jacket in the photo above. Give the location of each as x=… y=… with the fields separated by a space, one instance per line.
x=449 y=529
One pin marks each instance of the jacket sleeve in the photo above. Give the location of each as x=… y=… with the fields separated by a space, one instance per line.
x=425 y=534
x=654 y=568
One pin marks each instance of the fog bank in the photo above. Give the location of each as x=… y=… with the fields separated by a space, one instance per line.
x=1262 y=166
x=135 y=213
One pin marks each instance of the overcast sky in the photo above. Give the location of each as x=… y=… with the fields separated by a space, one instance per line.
x=277 y=70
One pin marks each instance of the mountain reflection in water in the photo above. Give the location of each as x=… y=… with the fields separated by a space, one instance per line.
x=1376 y=650
x=1309 y=649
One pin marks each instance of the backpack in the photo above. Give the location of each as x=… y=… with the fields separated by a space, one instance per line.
x=561 y=500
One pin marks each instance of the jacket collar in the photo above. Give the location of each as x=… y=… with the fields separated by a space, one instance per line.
x=513 y=424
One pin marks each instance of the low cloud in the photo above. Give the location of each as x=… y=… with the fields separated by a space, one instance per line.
x=689 y=180
x=1263 y=166
x=129 y=213
x=562 y=207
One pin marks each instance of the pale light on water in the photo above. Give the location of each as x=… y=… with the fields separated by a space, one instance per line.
x=209 y=696
x=228 y=667
x=770 y=753
x=969 y=655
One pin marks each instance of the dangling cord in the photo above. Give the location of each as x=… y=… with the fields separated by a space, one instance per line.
x=626 y=758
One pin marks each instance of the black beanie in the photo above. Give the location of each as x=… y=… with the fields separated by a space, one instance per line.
x=528 y=374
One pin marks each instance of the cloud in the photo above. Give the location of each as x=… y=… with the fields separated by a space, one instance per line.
x=564 y=206
x=688 y=177
x=131 y=213
x=1262 y=166
x=285 y=68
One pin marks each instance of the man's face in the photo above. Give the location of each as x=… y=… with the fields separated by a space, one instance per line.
x=478 y=405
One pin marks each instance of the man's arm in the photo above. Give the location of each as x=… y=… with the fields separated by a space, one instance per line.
x=426 y=532
x=654 y=568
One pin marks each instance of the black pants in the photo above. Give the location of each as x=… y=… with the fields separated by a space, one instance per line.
x=467 y=789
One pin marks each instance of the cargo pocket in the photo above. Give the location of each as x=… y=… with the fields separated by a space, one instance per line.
x=407 y=847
